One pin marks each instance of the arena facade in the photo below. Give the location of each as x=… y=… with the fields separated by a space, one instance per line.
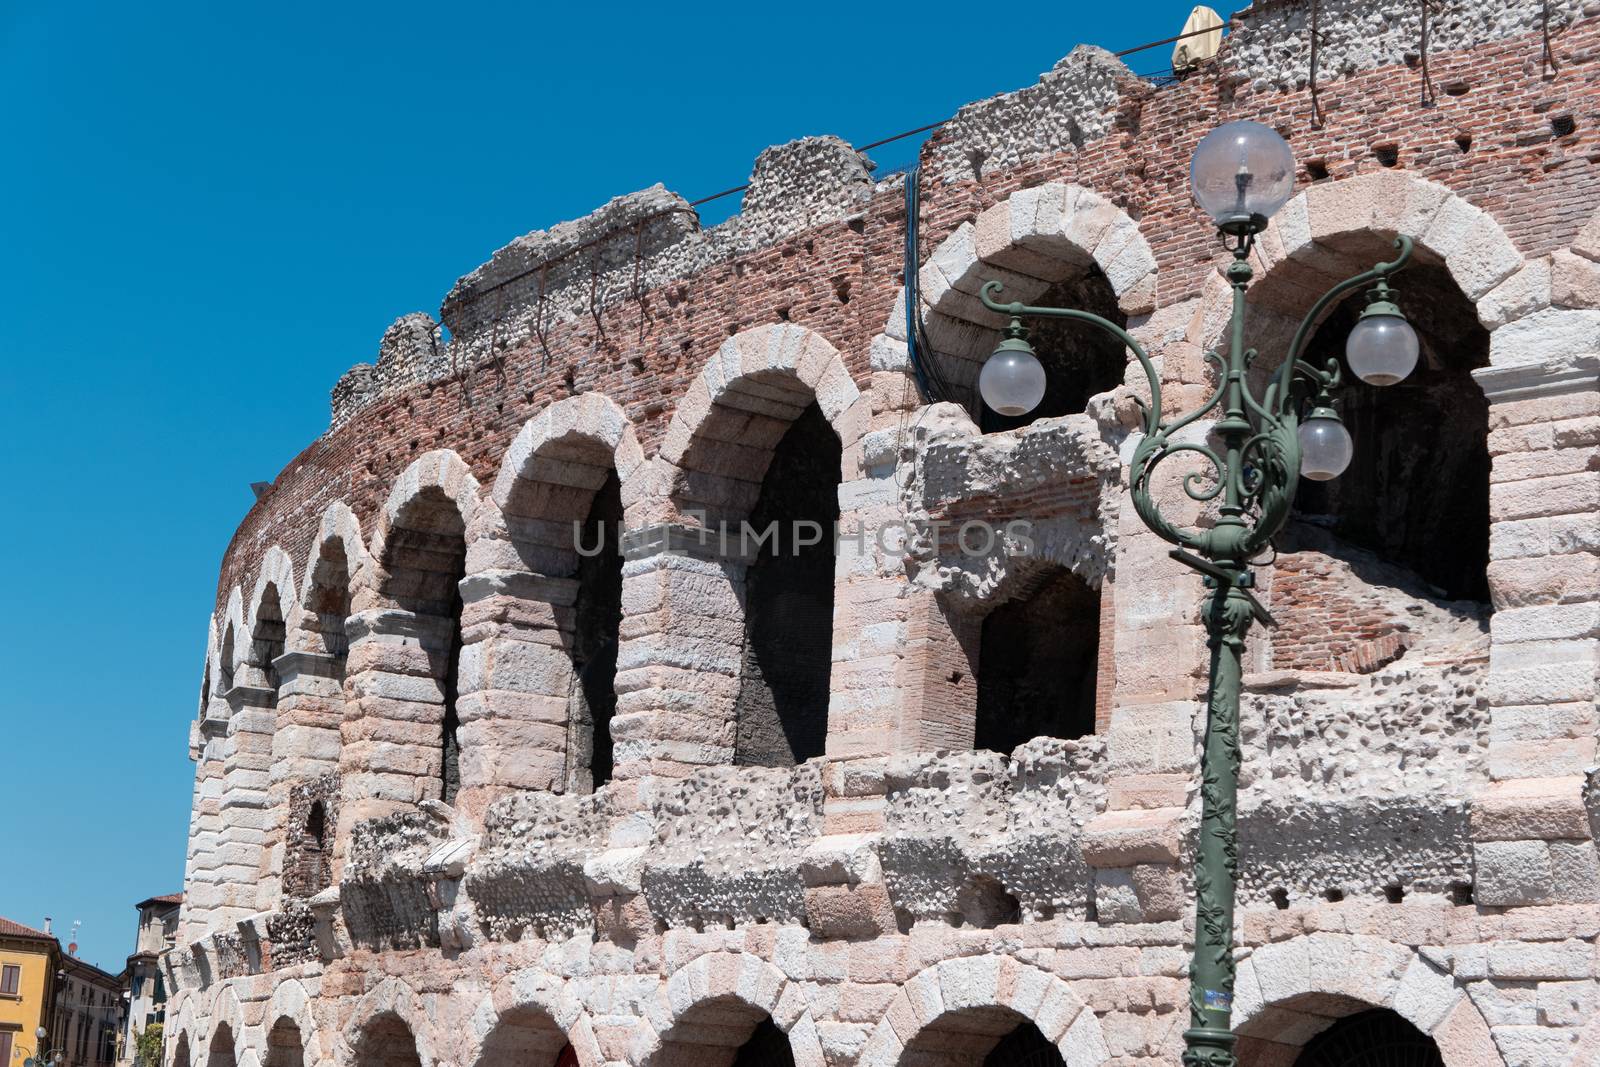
x=481 y=780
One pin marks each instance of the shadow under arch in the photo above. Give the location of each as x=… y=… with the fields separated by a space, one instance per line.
x=1288 y=992
x=385 y=1040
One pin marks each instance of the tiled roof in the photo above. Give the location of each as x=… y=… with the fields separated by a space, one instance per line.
x=165 y=898
x=13 y=929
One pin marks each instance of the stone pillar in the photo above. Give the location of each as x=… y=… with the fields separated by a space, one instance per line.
x=681 y=648
x=1532 y=842
x=305 y=745
x=515 y=685
x=391 y=752
x=202 y=891
x=247 y=764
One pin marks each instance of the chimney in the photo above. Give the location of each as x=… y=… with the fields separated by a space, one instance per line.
x=47 y=924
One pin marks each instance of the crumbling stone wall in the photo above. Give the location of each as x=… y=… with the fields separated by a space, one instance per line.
x=1415 y=811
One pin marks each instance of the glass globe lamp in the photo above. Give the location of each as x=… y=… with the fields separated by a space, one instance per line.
x=1012 y=381
x=1382 y=348
x=1325 y=445
x=1241 y=174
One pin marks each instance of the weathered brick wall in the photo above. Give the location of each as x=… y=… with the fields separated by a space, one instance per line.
x=1415 y=837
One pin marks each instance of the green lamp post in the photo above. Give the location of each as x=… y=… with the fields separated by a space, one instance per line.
x=1257 y=450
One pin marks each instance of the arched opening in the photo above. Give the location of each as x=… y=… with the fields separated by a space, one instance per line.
x=317 y=826
x=424 y=561
x=525 y=1037
x=1377 y=1038
x=328 y=601
x=1328 y=1030
x=1407 y=523
x=782 y=709
x=387 y=1041
x=724 y=1032
x=180 y=1051
x=563 y=514
x=221 y=1052
x=981 y=1037
x=266 y=638
x=1038 y=656
x=596 y=634
x=285 y=1044
x=225 y=662
x=1416 y=492
x=1079 y=360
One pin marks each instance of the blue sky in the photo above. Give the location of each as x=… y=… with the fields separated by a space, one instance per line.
x=212 y=212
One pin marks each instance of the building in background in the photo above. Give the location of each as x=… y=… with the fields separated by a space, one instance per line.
x=28 y=960
x=87 y=1015
x=144 y=991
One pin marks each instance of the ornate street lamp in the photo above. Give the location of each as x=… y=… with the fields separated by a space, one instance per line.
x=1259 y=447
x=46 y=1057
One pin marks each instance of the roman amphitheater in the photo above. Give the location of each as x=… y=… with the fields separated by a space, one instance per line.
x=482 y=781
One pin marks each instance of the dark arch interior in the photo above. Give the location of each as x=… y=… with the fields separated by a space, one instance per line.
x=1377 y=1038
x=782 y=709
x=767 y=1047
x=285 y=1045
x=596 y=631
x=525 y=1037
x=225 y=673
x=1417 y=490
x=317 y=825
x=387 y=1042
x=1037 y=660
x=220 y=1053
x=1024 y=1047
x=266 y=640
x=724 y=1032
x=424 y=561
x=329 y=602
x=1079 y=360
x=981 y=1037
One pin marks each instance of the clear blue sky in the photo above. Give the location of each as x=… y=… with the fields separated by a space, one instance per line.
x=212 y=212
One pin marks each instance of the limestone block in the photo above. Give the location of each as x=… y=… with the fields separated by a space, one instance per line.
x=1534 y=1046
x=1509 y=873
x=1574 y=281
x=1124 y=838
x=1531 y=808
x=1545 y=337
x=862 y=910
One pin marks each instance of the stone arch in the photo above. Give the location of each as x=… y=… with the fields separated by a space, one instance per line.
x=272 y=608
x=226 y=1011
x=527 y=1018
x=291 y=1003
x=546 y=557
x=575 y=431
x=1334 y=230
x=336 y=557
x=441 y=473
x=232 y=646
x=977 y=997
x=211 y=670
x=1288 y=991
x=1059 y=242
x=380 y=1025
x=413 y=608
x=719 y=998
x=185 y=1039
x=750 y=391
x=1430 y=518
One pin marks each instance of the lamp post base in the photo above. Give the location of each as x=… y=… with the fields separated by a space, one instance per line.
x=1208 y=1046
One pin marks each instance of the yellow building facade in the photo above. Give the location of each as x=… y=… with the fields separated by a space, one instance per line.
x=28 y=964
